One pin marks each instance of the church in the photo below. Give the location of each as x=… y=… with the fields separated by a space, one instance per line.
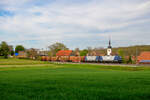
x=109 y=57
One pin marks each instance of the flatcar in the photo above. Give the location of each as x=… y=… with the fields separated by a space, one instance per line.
x=91 y=59
x=43 y=58
x=63 y=58
x=54 y=58
x=76 y=58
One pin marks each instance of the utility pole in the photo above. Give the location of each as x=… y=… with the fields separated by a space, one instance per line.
x=136 y=56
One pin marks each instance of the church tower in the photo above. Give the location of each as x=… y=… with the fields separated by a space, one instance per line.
x=109 y=51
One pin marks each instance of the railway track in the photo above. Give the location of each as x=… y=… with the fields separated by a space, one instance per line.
x=105 y=64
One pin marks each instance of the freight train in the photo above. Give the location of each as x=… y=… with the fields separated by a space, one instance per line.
x=99 y=59
x=90 y=59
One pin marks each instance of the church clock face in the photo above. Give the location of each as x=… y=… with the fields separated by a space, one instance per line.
x=108 y=51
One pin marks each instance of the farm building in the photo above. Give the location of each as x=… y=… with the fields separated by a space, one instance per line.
x=64 y=53
x=22 y=54
x=42 y=53
x=144 y=58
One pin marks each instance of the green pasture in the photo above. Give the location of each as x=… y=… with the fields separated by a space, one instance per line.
x=20 y=62
x=35 y=80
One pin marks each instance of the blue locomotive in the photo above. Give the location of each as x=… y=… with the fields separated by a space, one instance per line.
x=105 y=59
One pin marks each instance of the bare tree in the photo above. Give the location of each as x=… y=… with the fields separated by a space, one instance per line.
x=32 y=53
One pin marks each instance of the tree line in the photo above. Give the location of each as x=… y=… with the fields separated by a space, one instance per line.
x=8 y=50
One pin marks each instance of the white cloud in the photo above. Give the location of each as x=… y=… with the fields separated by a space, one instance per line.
x=87 y=21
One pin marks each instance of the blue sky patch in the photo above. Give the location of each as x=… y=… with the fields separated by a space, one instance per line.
x=6 y=13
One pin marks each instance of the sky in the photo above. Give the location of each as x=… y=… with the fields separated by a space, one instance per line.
x=76 y=23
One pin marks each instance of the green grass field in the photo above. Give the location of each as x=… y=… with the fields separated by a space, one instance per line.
x=36 y=80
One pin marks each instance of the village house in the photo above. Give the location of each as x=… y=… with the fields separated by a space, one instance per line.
x=22 y=54
x=144 y=58
x=64 y=53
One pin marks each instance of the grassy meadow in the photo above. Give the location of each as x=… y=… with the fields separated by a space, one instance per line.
x=35 y=80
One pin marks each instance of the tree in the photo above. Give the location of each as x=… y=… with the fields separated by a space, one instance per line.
x=129 y=60
x=32 y=53
x=76 y=52
x=83 y=52
x=11 y=52
x=121 y=53
x=4 y=49
x=19 y=48
x=54 y=48
x=11 y=49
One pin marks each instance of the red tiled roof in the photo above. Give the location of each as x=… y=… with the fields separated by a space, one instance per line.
x=144 y=56
x=64 y=53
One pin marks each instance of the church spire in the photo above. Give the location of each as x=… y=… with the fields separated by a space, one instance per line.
x=109 y=43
